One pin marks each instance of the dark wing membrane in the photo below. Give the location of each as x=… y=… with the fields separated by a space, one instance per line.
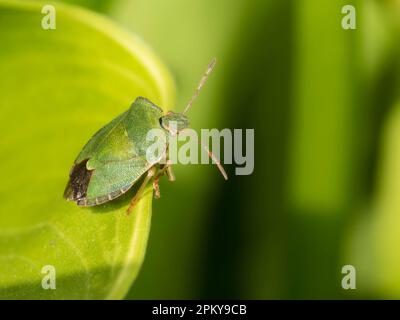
x=78 y=182
x=80 y=176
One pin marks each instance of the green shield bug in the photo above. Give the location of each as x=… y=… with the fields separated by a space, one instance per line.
x=114 y=159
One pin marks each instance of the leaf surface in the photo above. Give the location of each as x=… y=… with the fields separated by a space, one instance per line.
x=57 y=88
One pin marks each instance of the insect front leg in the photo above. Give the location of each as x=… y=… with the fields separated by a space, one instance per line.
x=167 y=168
x=170 y=173
x=163 y=169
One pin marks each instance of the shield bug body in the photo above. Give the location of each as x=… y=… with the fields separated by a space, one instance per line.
x=114 y=159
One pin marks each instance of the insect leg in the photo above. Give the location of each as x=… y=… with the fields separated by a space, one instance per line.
x=167 y=169
x=170 y=173
x=139 y=193
x=156 y=187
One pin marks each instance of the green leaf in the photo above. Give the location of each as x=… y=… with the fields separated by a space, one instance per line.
x=57 y=88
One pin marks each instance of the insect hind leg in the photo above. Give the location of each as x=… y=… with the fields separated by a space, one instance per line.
x=139 y=193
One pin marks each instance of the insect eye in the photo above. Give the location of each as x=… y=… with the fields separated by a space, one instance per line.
x=163 y=123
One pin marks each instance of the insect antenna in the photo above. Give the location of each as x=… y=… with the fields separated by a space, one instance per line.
x=189 y=105
x=216 y=160
x=201 y=84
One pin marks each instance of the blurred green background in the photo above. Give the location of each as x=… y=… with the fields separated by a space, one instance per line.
x=324 y=103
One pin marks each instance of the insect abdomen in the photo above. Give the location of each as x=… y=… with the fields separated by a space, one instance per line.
x=85 y=202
